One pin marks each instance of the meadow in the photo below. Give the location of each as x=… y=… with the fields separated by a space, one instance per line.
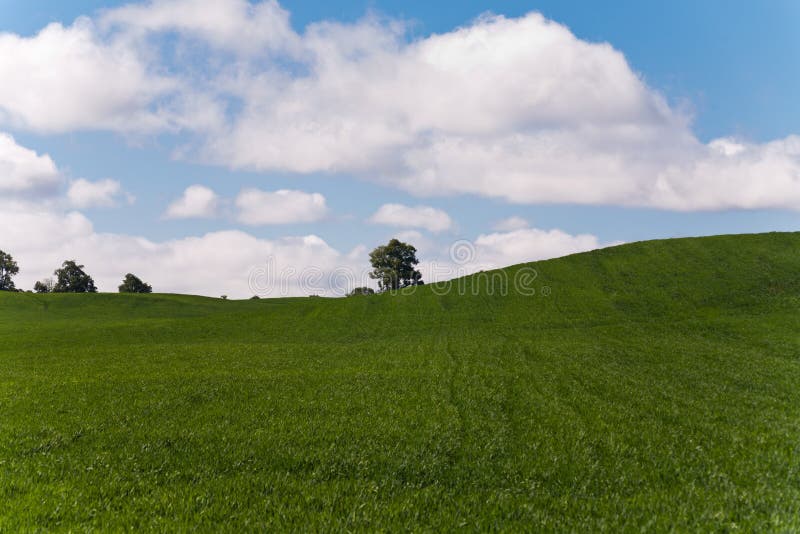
x=653 y=386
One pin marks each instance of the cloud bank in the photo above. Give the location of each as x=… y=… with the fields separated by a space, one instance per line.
x=214 y=264
x=518 y=109
x=234 y=262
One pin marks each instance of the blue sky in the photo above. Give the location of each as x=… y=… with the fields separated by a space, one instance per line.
x=727 y=69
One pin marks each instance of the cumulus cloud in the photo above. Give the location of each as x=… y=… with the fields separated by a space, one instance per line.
x=431 y=219
x=571 y=122
x=696 y=177
x=197 y=201
x=734 y=174
x=510 y=224
x=102 y=193
x=236 y=25
x=256 y=207
x=22 y=170
x=518 y=109
x=500 y=249
x=69 y=78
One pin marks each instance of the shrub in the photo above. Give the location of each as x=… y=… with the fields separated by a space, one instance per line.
x=132 y=284
x=361 y=291
x=71 y=278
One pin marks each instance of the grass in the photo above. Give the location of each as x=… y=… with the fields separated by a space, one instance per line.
x=651 y=386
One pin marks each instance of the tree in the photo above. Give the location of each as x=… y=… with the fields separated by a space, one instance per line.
x=133 y=284
x=361 y=291
x=393 y=265
x=44 y=286
x=71 y=278
x=8 y=268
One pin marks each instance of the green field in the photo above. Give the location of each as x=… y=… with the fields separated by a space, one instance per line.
x=652 y=386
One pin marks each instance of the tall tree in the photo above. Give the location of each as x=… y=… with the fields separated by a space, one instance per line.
x=71 y=278
x=393 y=265
x=133 y=284
x=8 y=268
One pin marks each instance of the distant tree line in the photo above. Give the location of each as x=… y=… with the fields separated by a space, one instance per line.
x=393 y=266
x=70 y=278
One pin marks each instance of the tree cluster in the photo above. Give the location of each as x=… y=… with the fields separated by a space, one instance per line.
x=70 y=278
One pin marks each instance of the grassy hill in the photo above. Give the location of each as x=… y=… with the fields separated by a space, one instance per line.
x=651 y=386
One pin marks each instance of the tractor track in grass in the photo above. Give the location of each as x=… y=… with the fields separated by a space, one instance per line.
x=455 y=368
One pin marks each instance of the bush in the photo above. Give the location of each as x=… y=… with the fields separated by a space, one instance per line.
x=132 y=284
x=71 y=278
x=44 y=286
x=361 y=291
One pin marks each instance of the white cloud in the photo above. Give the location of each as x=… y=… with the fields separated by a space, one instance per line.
x=68 y=78
x=22 y=170
x=35 y=229
x=510 y=224
x=501 y=249
x=518 y=109
x=102 y=193
x=734 y=174
x=258 y=207
x=236 y=25
x=431 y=219
x=254 y=207
x=26 y=174
x=197 y=201
x=572 y=170
x=569 y=123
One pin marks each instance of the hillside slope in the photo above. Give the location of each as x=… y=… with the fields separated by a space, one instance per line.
x=646 y=386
